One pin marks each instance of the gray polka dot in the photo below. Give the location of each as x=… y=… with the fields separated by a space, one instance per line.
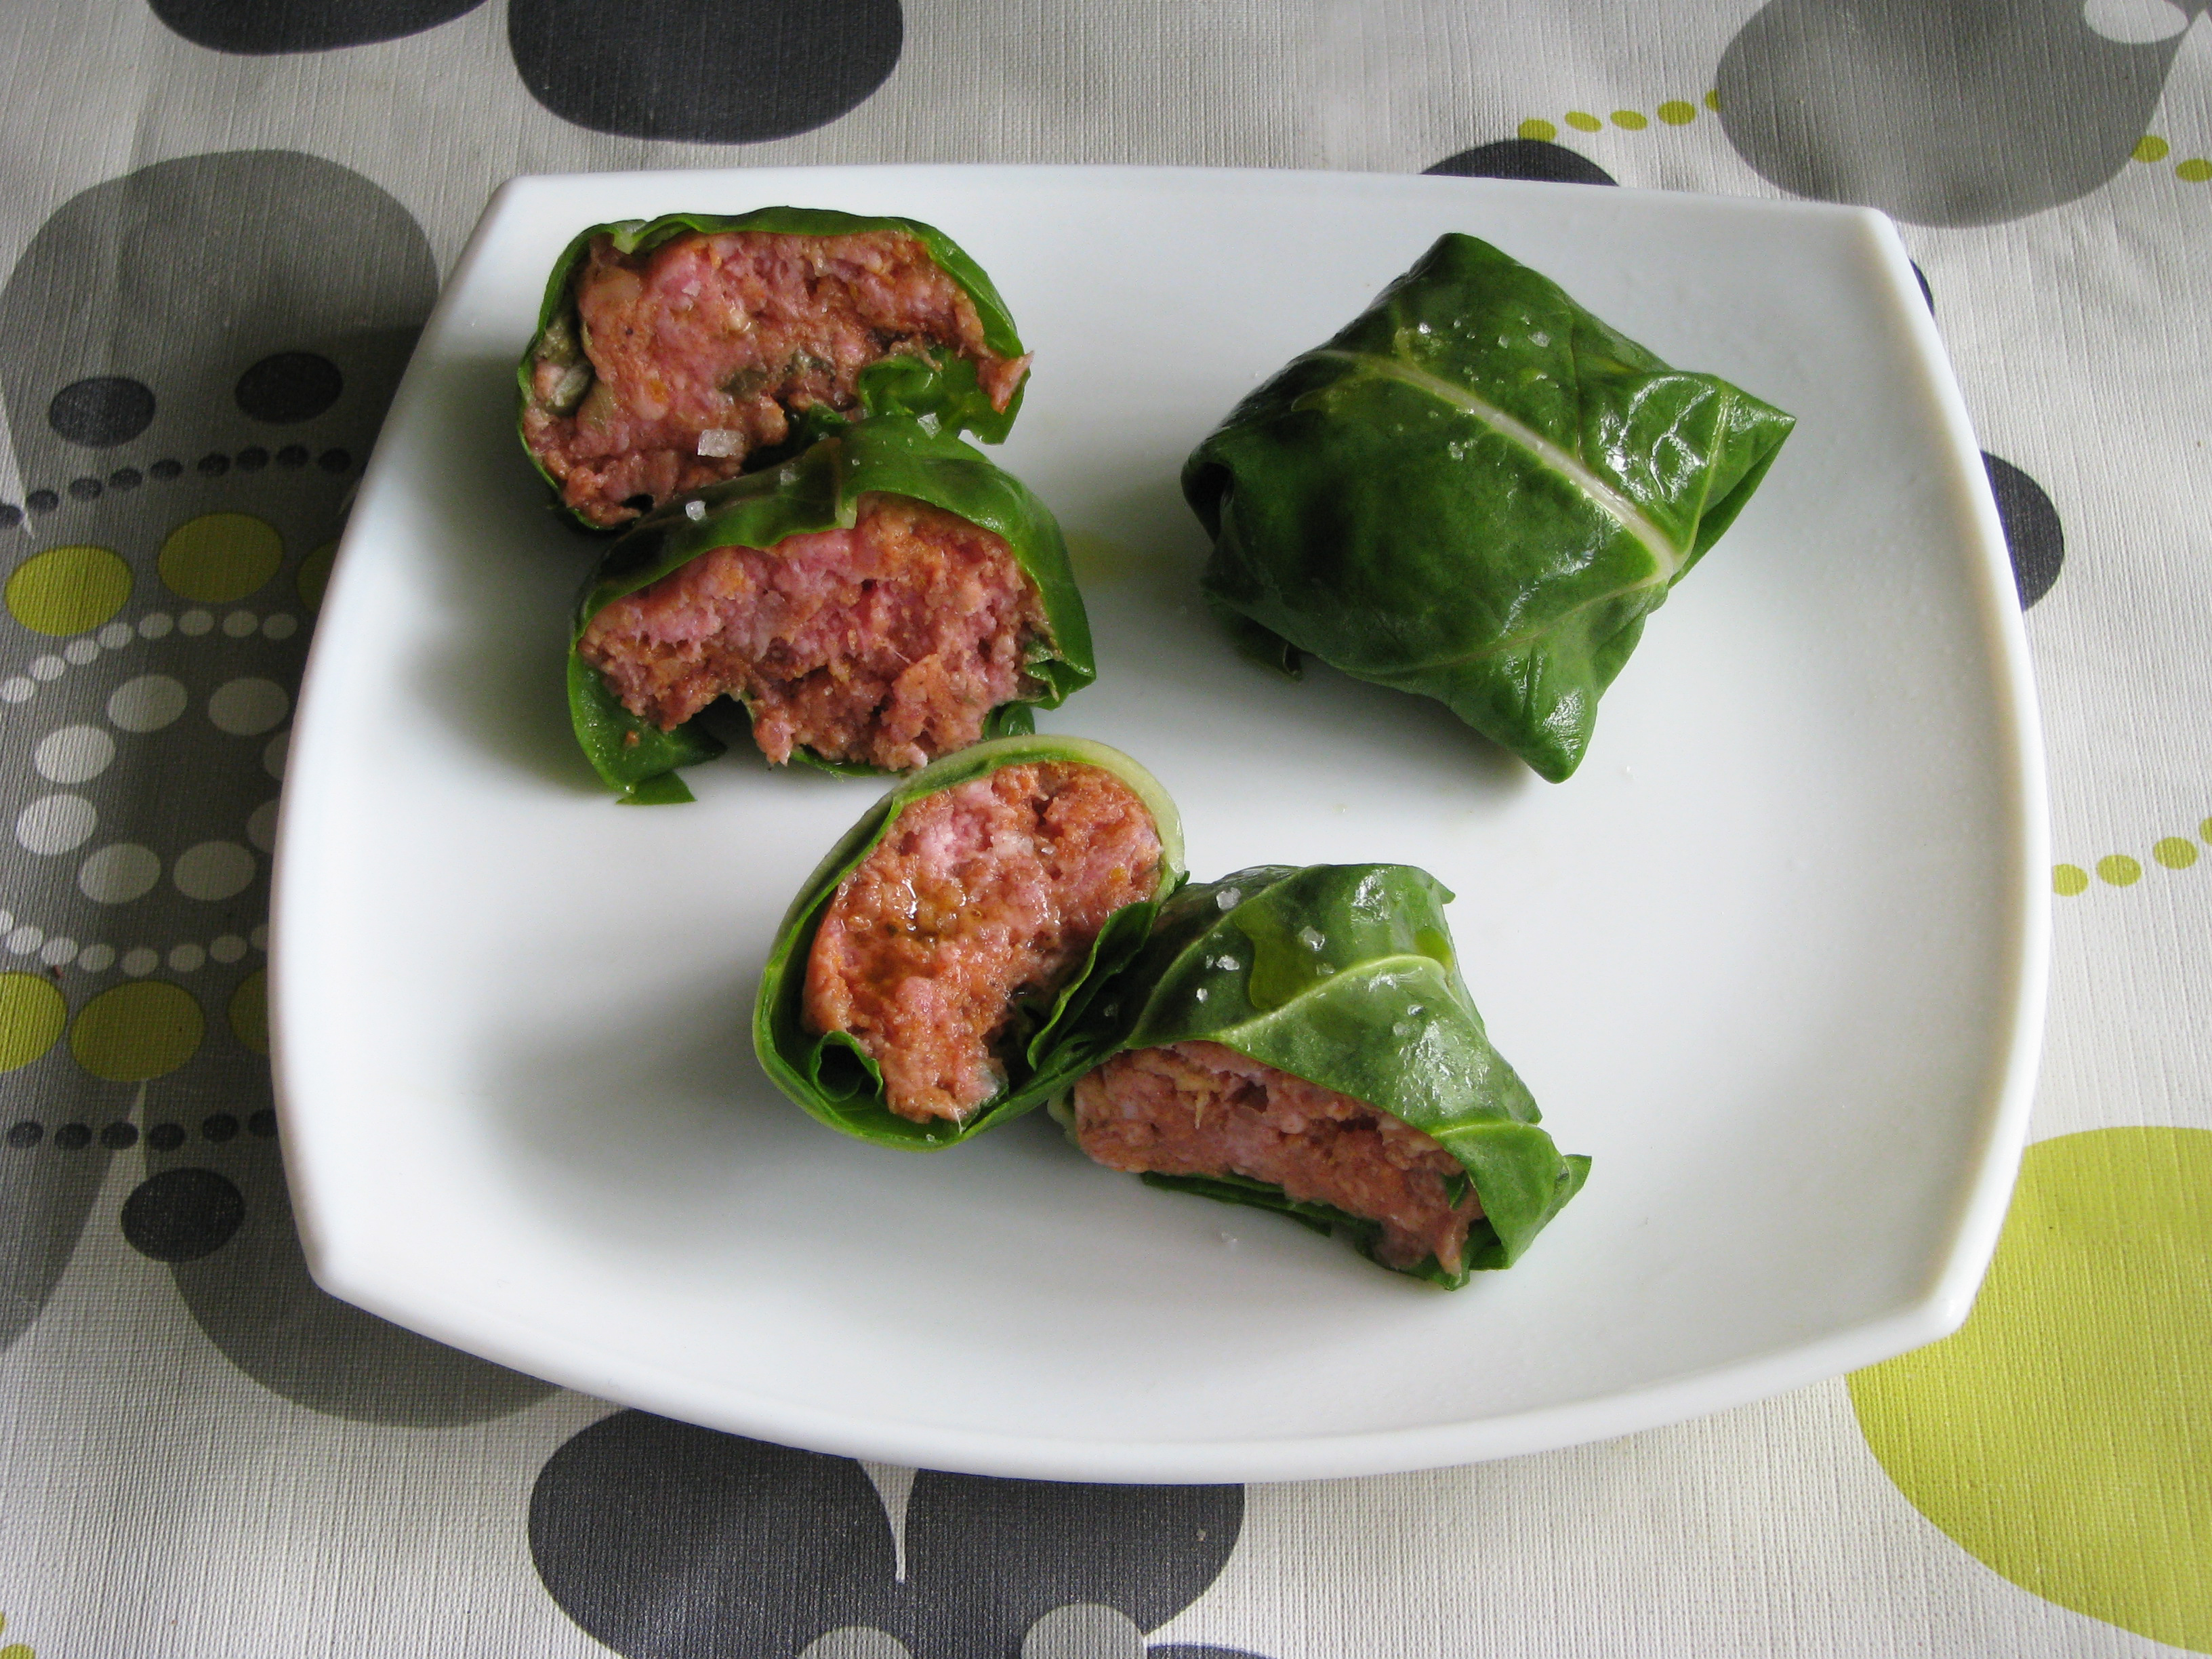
x=1084 y=1631
x=1892 y=103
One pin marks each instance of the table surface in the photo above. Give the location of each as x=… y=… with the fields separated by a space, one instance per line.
x=221 y=226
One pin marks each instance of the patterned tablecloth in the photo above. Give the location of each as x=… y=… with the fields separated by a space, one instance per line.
x=224 y=220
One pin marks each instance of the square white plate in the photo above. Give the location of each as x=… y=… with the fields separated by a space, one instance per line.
x=1774 y=957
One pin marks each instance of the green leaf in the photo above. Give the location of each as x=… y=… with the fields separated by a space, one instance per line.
x=822 y=490
x=1256 y=644
x=942 y=388
x=830 y=1076
x=1363 y=1235
x=665 y=790
x=1345 y=975
x=1323 y=1218
x=627 y=752
x=1476 y=491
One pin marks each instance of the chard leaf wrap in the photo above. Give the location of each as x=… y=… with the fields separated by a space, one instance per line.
x=1476 y=491
x=832 y=1077
x=941 y=386
x=821 y=490
x=1343 y=975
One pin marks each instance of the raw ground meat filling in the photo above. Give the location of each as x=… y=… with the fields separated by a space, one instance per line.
x=697 y=352
x=980 y=895
x=1201 y=1108
x=889 y=643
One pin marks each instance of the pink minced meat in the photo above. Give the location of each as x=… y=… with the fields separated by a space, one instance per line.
x=697 y=353
x=1201 y=1108
x=981 y=894
x=889 y=643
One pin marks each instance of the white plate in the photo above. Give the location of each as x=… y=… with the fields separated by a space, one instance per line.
x=1775 y=958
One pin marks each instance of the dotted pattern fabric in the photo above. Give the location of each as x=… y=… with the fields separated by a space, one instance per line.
x=221 y=231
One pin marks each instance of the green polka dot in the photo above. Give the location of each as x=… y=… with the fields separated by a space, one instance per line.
x=1634 y=120
x=2204 y=832
x=1713 y=101
x=32 y=1015
x=2196 y=170
x=315 y=574
x=68 y=590
x=2060 y=1436
x=249 y=1010
x=1676 y=113
x=16 y=1650
x=2119 y=870
x=2149 y=147
x=2068 y=879
x=146 y=1028
x=1537 y=127
x=220 y=557
x=2175 y=853
x=1582 y=121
